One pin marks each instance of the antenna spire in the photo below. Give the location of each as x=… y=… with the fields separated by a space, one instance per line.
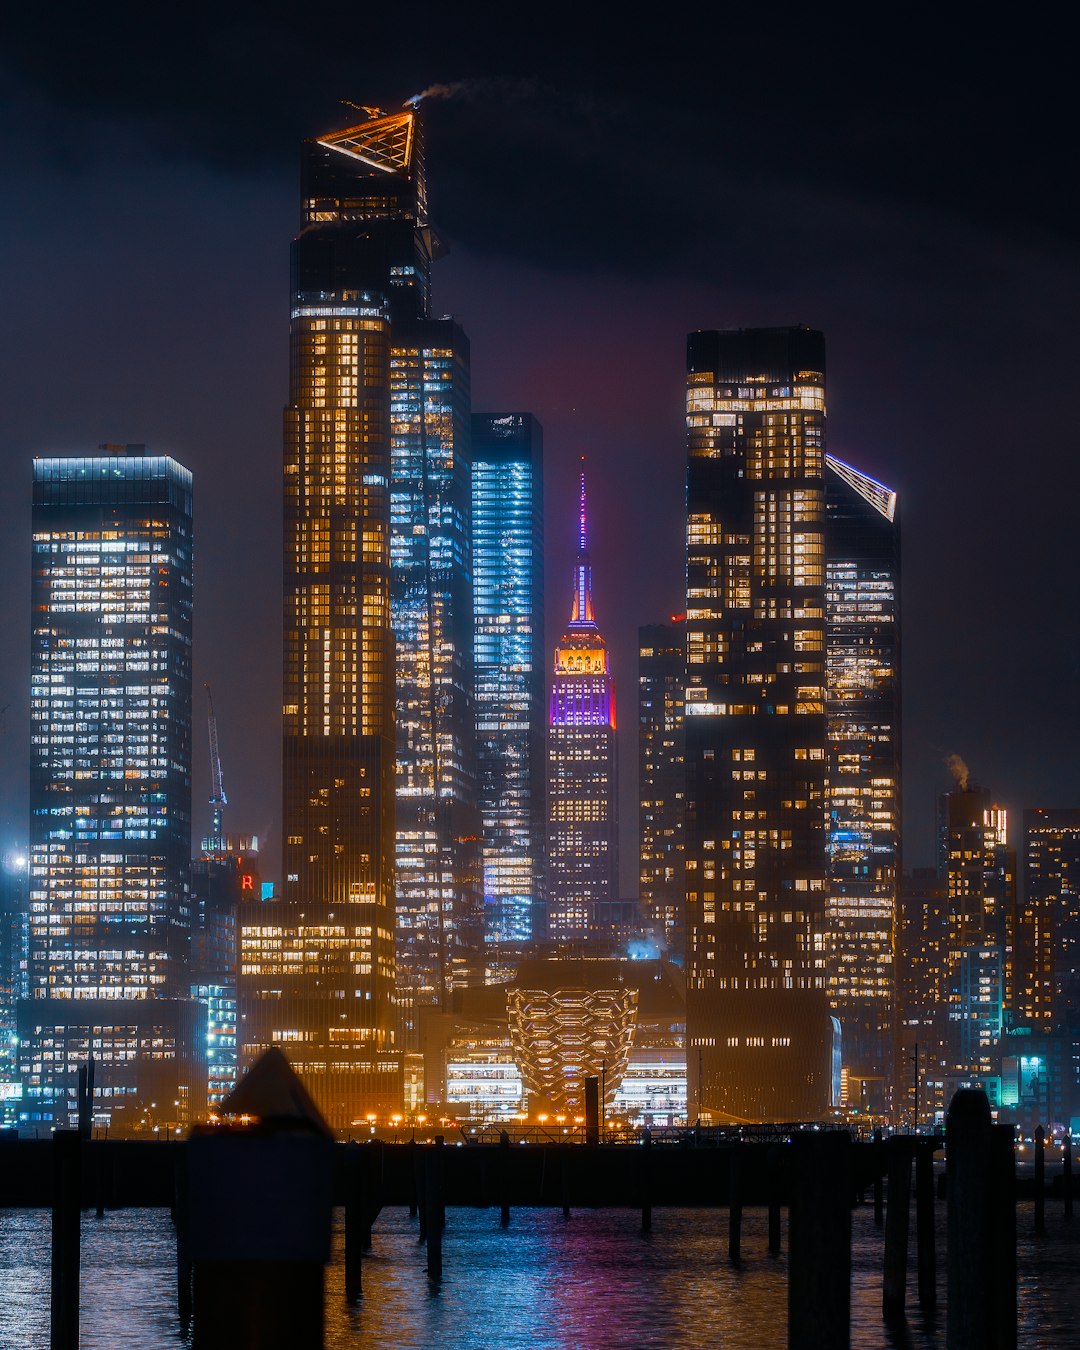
x=218 y=800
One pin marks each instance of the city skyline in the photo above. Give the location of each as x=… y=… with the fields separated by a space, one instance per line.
x=929 y=301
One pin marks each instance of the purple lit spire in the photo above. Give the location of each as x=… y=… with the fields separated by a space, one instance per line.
x=582 y=612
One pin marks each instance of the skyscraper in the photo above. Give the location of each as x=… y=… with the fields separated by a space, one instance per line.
x=862 y=558
x=1051 y=917
x=317 y=964
x=760 y=1037
x=110 y=803
x=438 y=856
x=582 y=784
x=978 y=976
x=662 y=779
x=508 y=591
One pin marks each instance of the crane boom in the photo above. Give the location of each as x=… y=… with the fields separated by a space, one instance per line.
x=218 y=800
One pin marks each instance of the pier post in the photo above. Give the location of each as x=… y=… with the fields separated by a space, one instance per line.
x=504 y=1179
x=926 y=1258
x=879 y=1169
x=1002 y=1288
x=354 y=1200
x=646 y=1182
x=564 y=1177
x=773 y=1164
x=434 y=1208
x=734 y=1248
x=897 y=1219
x=66 y=1222
x=182 y=1208
x=414 y=1172
x=1066 y=1175
x=968 y=1135
x=819 y=1281
x=1040 y=1180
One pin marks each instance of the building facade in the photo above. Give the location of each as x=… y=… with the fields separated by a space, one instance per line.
x=508 y=603
x=110 y=796
x=317 y=963
x=760 y=1035
x=1049 y=992
x=662 y=781
x=438 y=850
x=582 y=787
x=862 y=574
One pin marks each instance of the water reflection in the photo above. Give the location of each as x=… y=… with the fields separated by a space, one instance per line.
x=592 y=1283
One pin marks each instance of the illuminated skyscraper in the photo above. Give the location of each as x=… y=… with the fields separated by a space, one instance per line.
x=582 y=786
x=439 y=876
x=317 y=964
x=662 y=779
x=760 y=1037
x=1051 y=988
x=508 y=591
x=110 y=803
x=978 y=976
x=863 y=714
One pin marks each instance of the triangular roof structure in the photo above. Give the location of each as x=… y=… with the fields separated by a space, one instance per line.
x=384 y=142
x=271 y=1091
x=880 y=497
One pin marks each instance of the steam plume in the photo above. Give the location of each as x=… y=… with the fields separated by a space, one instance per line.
x=959 y=771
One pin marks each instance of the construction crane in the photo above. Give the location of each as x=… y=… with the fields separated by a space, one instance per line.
x=218 y=800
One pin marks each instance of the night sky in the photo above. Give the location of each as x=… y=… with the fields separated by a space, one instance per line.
x=906 y=183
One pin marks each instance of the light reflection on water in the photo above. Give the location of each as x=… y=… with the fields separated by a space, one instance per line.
x=543 y=1284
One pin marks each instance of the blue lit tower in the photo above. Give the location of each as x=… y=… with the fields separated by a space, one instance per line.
x=862 y=582
x=582 y=785
x=110 y=794
x=508 y=601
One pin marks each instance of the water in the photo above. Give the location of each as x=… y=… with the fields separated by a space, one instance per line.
x=593 y=1283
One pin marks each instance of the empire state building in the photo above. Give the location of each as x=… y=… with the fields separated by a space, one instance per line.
x=582 y=781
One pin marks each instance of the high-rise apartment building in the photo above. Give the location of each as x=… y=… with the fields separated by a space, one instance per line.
x=862 y=575
x=14 y=946
x=317 y=963
x=582 y=789
x=662 y=780
x=438 y=855
x=760 y=1037
x=978 y=978
x=508 y=603
x=110 y=795
x=1049 y=993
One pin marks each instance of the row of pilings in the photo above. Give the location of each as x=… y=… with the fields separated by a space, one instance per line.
x=253 y=1208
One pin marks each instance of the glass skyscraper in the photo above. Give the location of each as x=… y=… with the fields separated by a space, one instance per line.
x=508 y=603
x=1050 y=992
x=438 y=856
x=760 y=1036
x=110 y=806
x=582 y=792
x=317 y=962
x=662 y=779
x=862 y=557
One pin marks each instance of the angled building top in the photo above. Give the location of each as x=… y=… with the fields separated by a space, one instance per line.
x=880 y=497
x=384 y=141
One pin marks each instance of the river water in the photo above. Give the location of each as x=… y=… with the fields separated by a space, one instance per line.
x=594 y=1281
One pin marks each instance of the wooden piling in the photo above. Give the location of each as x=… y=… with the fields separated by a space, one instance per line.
x=564 y=1178
x=354 y=1244
x=420 y=1189
x=773 y=1164
x=434 y=1208
x=1066 y=1175
x=879 y=1188
x=897 y=1219
x=735 y=1204
x=1001 y=1293
x=182 y=1211
x=968 y=1134
x=1040 y=1180
x=66 y=1255
x=646 y=1182
x=926 y=1256
x=504 y=1179
x=819 y=1281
